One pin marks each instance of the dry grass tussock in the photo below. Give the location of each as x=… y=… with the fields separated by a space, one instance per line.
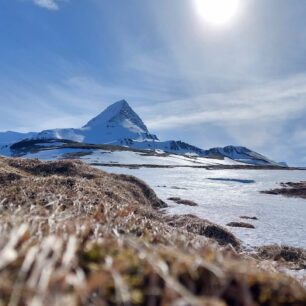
x=294 y=258
x=297 y=190
x=73 y=235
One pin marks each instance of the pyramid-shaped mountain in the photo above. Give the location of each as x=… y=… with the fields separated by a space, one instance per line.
x=116 y=124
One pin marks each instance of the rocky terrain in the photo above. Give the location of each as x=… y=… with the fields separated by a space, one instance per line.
x=73 y=235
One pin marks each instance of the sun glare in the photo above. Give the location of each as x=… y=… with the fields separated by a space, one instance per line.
x=218 y=12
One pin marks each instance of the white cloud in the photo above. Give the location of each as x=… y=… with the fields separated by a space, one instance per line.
x=267 y=118
x=276 y=101
x=48 y=4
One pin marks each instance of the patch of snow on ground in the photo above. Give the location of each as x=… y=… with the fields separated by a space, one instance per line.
x=281 y=219
x=56 y=154
x=136 y=158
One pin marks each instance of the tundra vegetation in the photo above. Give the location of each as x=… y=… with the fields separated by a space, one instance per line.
x=74 y=235
x=289 y=189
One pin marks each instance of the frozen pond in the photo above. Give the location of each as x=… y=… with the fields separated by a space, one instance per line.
x=225 y=195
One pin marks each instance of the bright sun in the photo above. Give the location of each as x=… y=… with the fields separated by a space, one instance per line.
x=218 y=12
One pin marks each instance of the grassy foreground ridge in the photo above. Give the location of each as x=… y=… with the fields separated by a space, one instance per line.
x=74 y=235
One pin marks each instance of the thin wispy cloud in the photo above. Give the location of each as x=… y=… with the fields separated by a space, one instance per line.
x=69 y=102
x=277 y=100
x=47 y=4
x=268 y=118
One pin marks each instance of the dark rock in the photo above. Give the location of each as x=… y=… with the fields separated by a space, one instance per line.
x=183 y=202
x=240 y=224
x=290 y=190
x=248 y=218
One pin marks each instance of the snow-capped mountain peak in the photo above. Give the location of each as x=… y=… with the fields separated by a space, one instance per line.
x=117 y=124
x=119 y=113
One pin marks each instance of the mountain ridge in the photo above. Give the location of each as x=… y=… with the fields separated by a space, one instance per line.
x=120 y=125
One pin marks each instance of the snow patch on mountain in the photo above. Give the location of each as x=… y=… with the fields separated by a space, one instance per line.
x=69 y=134
x=170 y=146
x=119 y=113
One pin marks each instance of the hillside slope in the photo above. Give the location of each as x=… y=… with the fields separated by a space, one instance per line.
x=9 y=137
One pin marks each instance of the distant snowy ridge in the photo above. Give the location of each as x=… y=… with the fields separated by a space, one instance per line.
x=119 y=125
x=10 y=137
x=241 y=154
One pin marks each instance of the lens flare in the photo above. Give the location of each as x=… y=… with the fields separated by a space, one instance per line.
x=218 y=12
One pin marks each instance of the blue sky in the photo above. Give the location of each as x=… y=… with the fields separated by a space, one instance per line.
x=64 y=61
